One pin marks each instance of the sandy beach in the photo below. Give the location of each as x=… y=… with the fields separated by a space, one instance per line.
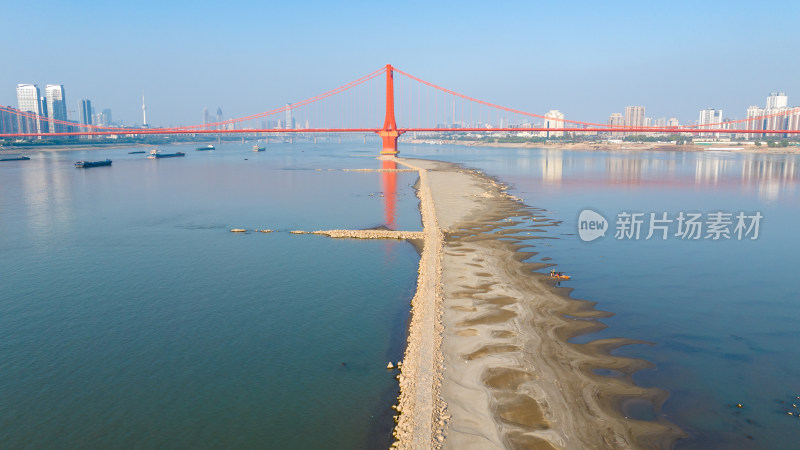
x=511 y=380
x=488 y=363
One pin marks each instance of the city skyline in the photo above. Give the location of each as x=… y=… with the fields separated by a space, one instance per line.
x=777 y=115
x=588 y=72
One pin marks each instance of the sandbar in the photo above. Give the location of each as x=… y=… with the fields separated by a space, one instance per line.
x=489 y=362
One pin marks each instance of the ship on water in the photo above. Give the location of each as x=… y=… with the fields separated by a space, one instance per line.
x=87 y=164
x=15 y=158
x=256 y=148
x=155 y=154
x=208 y=147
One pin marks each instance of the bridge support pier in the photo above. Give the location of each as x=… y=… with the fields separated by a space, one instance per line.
x=389 y=133
x=389 y=138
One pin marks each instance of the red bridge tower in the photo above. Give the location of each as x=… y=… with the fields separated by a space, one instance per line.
x=389 y=133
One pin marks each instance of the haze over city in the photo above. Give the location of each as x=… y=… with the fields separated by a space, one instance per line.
x=584 y=59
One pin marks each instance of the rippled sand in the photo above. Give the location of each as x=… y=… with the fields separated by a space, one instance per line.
x=509 y=378
x=488 y=363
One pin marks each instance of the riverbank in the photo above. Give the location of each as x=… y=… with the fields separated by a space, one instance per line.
x=23 y=149
x=619 y=146
x=488 y=364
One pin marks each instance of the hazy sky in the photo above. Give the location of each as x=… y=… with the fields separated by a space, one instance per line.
x=587 y=59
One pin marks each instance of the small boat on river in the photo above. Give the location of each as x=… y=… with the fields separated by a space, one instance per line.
x=87 y=164
x=155 y=154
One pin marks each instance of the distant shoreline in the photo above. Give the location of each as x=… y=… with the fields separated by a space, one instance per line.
x=618 y=146
x=579 y=146
x=88 y=146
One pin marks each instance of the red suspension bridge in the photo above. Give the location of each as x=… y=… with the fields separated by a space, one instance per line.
x=413 y=103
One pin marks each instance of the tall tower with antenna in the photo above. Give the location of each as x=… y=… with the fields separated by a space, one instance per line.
x=144 y=113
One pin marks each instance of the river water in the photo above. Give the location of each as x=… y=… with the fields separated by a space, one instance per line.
x=722 y=314
x=131 y=316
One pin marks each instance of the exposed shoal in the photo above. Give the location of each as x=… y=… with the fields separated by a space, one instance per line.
x=488 y=363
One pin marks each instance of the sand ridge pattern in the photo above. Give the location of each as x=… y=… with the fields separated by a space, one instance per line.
x=488 y=363
x=511 y=378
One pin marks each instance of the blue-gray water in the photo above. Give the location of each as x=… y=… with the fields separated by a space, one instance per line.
x=130 y=316
x=722 y=314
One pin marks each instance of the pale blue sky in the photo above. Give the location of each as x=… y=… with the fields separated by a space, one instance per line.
x=587 y=59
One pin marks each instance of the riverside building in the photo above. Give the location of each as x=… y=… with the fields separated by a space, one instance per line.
x=56 y=107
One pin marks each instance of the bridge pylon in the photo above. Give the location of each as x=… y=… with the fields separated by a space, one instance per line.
x=389 y=133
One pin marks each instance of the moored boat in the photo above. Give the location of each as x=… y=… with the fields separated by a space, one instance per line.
x=154 y=154
x=87 y=164
x=15 y=158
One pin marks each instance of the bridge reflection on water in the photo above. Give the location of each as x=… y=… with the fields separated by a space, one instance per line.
x=389 y=184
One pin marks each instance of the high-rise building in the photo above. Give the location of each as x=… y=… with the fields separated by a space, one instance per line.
x=86 y=112
x=107 y=115
x=144 y=113
x=673 y=122
x=56 y=107
x=775 y=120
x=219 y=118
x=793 y=119
x=616 y=120
x=777 y=100
x=9 y=122
x=28 y=101
x=710 y=118
x=755 y=119
x=775 y=112
x=43 y=108
x=205 y=116
x=553 y=119
x=289 y=124
x=648 y=122
x=634 y=117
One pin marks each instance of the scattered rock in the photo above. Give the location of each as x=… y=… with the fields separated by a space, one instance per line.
x=390 y=365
